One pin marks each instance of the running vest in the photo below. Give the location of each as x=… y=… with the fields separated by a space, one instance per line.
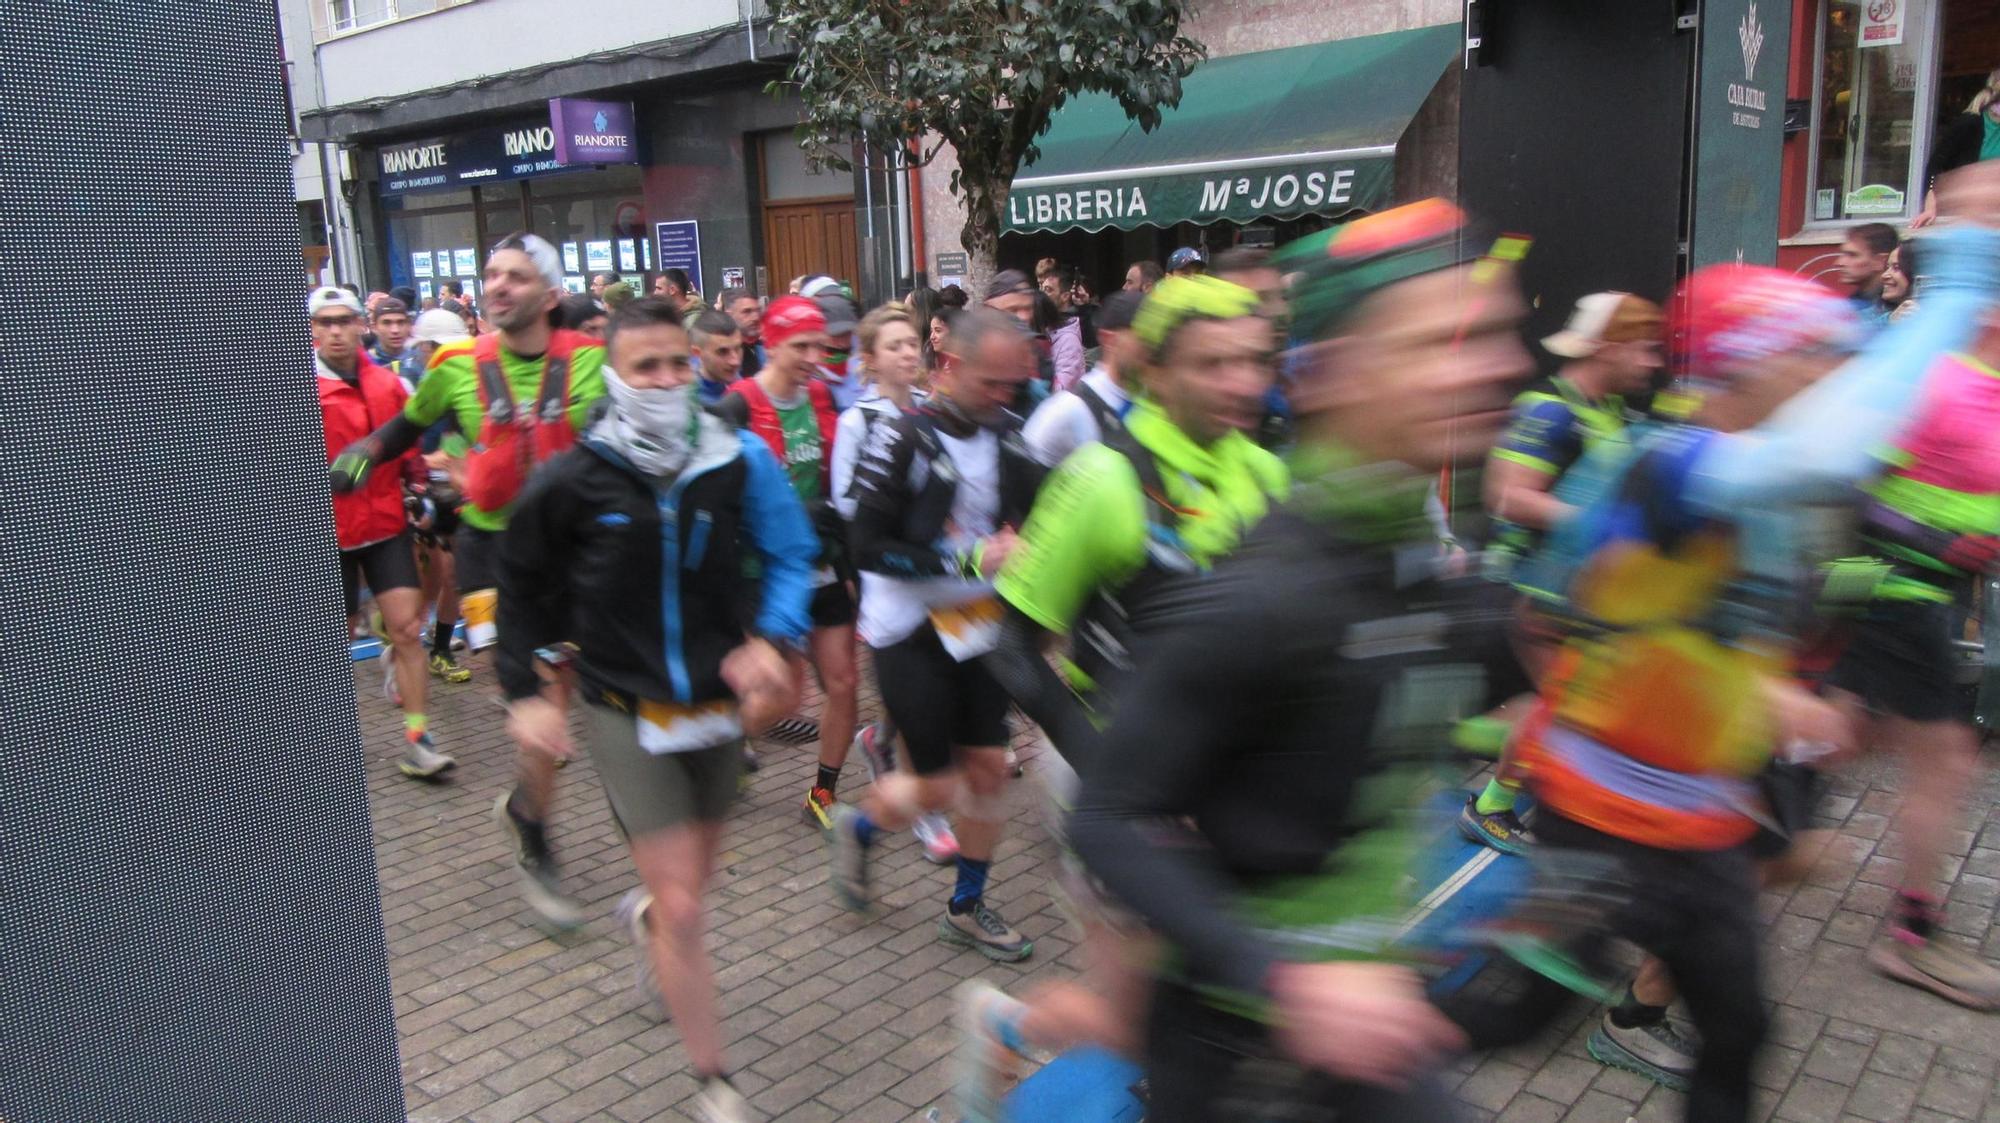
x=510 y=442
x=770 y=428
x=1109 y=419
x=1594 y=423
x=1945 y=479
x=930 y=509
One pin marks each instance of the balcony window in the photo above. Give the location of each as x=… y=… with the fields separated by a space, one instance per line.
x=1871 y=109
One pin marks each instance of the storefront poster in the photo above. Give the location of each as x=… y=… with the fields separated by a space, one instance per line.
x=1881 y=23
x=424 y=289
x=1875 y=198
x=646 y=250
x=597 y=256
x=517 y=149
x=465 y=263
x=680 y=248
x=592 y=132
x=628 y=254
x=420 y=263
x=572 y=261
x=732 y=277
x=1739 y=133
x=573 y=284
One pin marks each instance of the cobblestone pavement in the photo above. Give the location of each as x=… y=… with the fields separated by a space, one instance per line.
x=832 y=1016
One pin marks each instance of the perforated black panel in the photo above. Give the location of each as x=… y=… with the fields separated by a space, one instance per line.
x=189 y=921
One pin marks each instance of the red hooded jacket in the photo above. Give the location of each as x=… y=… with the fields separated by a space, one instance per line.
x=372 y=512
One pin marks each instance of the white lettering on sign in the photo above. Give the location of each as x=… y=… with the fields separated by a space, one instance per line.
x=1746 y=97
x=598 y=140
x=529 y=142
x=1747 y=120
x=1286 y=190
x=402 y=161
x=1214 y=195
x=1088 y=205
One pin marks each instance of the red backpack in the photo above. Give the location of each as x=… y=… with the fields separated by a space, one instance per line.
x=511 y=443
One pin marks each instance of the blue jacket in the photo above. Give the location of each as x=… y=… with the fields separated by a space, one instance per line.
x=648 y=581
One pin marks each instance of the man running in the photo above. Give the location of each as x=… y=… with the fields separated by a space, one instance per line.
x=525 y=391
x=669 y=680
x=1612 y=348
x=1097 y=404
x=718 y=353
x=392 y=351
x=1117 y=537
x=355 y=395
x=1251 y=798
x=793 y=412
x=939 y=490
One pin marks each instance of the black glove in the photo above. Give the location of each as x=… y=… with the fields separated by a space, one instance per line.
x=350 y=469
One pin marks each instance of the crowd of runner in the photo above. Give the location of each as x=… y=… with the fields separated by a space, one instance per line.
x=1261 y=545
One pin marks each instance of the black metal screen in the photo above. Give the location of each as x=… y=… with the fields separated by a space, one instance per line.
x=189 y=921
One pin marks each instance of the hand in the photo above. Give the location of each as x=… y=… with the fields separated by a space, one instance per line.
x=1928 y=215
x=350 y=469
x=765 y=687
x=996 y=549
x=1366 y=1022
x=538 y=726
x=1828 y=726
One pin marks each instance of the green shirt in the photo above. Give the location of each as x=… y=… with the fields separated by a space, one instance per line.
x=1088 y=530
x=802 y=445
x=451 y=386
x=1989 y=142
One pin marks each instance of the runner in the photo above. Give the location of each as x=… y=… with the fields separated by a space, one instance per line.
x=718 y=351
x=742 y=306
x=1612 y=348
x=669 y=681
x=1251 y=797
x=375 y=539
x=525 y=390
x=939 y=490
x=392 y=351
x=1115 y=538
x=793 y=412
x=1097 y=404
x=891 y=361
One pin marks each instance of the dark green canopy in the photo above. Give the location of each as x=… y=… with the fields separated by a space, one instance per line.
x=1302 y=130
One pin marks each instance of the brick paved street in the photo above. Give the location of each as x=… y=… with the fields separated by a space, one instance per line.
x=833 y=1017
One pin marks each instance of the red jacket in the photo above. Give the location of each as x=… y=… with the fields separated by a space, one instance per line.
x=764 y=420
x=372 y=512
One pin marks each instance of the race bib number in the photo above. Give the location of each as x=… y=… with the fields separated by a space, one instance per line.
x=824 y=576
x=969 y=630
x=668 y=728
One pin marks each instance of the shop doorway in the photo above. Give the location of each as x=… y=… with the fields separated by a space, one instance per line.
x=808 y=216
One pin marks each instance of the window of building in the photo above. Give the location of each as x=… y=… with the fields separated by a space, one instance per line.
x=340 y=17
x=1877 y=66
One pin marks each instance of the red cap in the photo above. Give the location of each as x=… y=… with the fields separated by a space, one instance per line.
x=788 y=316
x=1726 y=318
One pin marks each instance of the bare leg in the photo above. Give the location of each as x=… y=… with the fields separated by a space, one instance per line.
x=833 y=658
x=1940 y=759
x=675 y=865
x=400 y=616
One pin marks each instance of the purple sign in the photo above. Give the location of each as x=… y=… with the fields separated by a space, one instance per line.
x=593 y=132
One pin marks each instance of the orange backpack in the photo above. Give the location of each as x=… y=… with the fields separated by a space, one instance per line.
x=511 y=443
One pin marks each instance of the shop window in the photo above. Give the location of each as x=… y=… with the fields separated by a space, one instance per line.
x=1872 y=109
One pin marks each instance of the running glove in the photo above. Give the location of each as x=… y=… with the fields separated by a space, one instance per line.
x=350 y=469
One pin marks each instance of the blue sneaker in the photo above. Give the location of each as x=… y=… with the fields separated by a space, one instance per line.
x=1499 y=830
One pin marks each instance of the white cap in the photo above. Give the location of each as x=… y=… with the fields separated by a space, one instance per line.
x=547 y=261
x=331 y=297
x=439 y=326
x=817 y=285
x=1592 y=318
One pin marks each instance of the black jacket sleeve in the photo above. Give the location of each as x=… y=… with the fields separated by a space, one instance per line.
x=1957 y=145
x=534 y=575
x=882 y=499
x=1177 y=720
x=1017 y=663
x=733 y=408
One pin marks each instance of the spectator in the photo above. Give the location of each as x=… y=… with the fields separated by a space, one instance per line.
x=1187 y=262
x=1972 y=136
x=742 y=305
x=1142 y=276
x=615 y=294
x=1864 y=257
x=1899 y=282
x=1251 y=267
x=580 y=313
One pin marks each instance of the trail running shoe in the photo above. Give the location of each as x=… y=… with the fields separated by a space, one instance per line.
x=847 y=860
x=877 y=750
x=1938 y=966
x=537 y=875
x=934 y=831
x=422 y=761
x=982 y=930
x=1657 y=1052
x=720 y=1102
x=645 y=980
x=819 y=808
x=449 y=669
x=984 y=1013
x=390 y=689
x=794 y=731
x=1501 y=830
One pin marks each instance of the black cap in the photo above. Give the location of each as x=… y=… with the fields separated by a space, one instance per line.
x=406 y=294
x=1118 y=310
x=1008 y=281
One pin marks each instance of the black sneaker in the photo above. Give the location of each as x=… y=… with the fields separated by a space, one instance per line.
x=536 y=873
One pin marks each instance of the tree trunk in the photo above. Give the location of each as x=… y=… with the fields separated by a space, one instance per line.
x=981 y=234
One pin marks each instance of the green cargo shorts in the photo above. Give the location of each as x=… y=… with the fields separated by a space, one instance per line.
x=651 y=792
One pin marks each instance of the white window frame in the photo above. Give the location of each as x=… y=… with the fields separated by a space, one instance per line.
x=1920 y=128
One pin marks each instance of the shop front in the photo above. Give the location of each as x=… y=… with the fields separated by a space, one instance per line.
x=1263 y=147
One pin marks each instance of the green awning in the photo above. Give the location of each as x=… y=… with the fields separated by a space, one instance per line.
x=1302 y=130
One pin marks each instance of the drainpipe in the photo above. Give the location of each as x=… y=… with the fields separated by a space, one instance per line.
x=918 y=253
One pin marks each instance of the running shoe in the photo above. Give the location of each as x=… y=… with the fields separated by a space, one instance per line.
x=1500 y=830
x=450 y=669
x=1657 y=1052
x=720 y=1102
x=934 y=831
x=847 y=860
x=422 y=761
x=819 y=808
x=632 y=917
x=1943 y=968
x=751 y=761
x=390 y=689
x=984 y=1015
x=536 y=872
x=878 y=751
x=981 y=929
x=794 y=731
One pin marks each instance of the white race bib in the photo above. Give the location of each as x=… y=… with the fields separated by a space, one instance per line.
x=969 y=630
x=668 y=728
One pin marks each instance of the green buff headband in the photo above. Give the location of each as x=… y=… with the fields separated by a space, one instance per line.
x=1334 y=271
x=1177 y=300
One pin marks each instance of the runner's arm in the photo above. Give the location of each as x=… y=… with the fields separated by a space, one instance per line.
x=847 y=438
x=1024 y=672
x=586 y=385
x=534 y=587
x=1540 y=442
x=784 y=538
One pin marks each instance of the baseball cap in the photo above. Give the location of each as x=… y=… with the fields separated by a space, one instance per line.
x=788 y=316
x=822 y=285
x=547 y=261
x=439 y=326
x=1184 y=257
x=1728 y=318
x=390 y=306
x=1118 y=310
x=1601 y=318
x=1007 y=282
x=331 y=297
x=840 y=314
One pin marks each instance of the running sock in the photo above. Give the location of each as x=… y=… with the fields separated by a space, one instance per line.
x=441 y=639
x=971 y=884
x=865 y=829
x=829 y=778
x=414 y=726
x=1916 y=913
x=1496 y=798
x=1631 y=1013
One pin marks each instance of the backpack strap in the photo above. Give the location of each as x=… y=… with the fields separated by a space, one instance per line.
x=554 y=395
x=1108 y=419
x=494 y=393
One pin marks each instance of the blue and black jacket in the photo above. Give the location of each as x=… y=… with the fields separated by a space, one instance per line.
x=647 y=580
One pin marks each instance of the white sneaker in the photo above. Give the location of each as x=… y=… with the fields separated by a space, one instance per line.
x=934 y=831
x=982 y=1058
x=422 y=761
x=646 y=981
x=720 y=1102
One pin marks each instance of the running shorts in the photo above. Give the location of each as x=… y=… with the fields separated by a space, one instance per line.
x=388 y=564
x=477 y=553
x=832 y=606
x=651 y=792
x=1900 y=659
x=938 y=703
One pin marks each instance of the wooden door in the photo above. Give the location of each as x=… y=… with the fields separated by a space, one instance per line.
x=807 y=236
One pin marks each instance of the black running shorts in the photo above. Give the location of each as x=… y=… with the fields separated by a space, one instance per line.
x=938 y=703
x=1900 y=659
x=388 y=564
